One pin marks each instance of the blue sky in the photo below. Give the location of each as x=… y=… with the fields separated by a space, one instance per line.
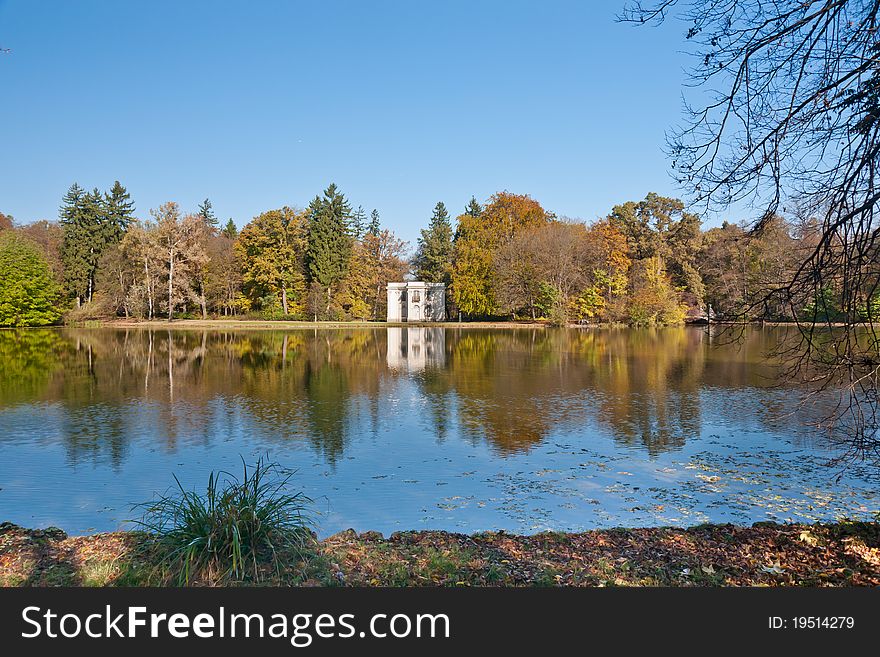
x=262 y=104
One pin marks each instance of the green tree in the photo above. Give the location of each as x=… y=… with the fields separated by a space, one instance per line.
x=473 y=208
x=92 y=221
x=29 y=295
x=118 y=212
x=433 y=260
x=329 y=241
x=75 y=243
x=206 y=212
x=230 y=230
x=358 y=223
x=373 y=228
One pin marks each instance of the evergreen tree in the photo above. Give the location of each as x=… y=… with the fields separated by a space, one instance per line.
x=373 y=228
x=358 y=223
x=230 y=230
x=28 y=292
x=70 y=204
x=78 y=215
x=330 y=242
x=206 y=212
x=118 y=211
x=473 y=208
x=92 y=221
x=433 y=261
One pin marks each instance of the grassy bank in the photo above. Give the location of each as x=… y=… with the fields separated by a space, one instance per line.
x=839 y=554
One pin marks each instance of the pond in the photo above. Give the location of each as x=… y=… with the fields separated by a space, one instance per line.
x=463 y=429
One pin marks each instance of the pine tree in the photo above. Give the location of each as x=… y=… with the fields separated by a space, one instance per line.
x=473 y=208
x=206 y=212
x=70 y=204
x=118 y=210
x=230 y=230
x=330 y=242
x=433 y=261
x=373 y=228
x=80 y=217
x=358 y=223
x=92 y=221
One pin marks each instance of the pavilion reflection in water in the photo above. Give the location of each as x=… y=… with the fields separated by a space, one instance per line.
x=413 y=349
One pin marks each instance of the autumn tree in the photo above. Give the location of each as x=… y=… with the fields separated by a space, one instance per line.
x=385 y=263
x=271 y=250
x=117 y=273
x=653 y=300
x=566 y=258
x=516 y=275
x=205 y=232
x=141 y=249
x=182 y=253
x=739 y=267
x=611 y=272
x=660 y=229
x=477 y=239
x=223 y=284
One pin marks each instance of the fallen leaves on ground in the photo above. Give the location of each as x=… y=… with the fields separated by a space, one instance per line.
x=766 y=554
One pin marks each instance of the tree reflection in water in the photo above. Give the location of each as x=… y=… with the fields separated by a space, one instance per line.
x=510 y=387
x=457 y=428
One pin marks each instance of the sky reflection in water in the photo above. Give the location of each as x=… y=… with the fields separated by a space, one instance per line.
x=391 y=429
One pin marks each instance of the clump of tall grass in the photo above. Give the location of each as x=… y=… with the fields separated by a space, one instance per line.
x=235 y=529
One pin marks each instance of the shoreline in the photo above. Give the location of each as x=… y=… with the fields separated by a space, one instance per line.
x=293 y=324
x=845 y=553
x=265 y=324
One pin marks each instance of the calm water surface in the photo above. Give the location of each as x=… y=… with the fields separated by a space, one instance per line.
x=390 y=429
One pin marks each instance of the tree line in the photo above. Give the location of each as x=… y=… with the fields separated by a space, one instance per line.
x=647 y=262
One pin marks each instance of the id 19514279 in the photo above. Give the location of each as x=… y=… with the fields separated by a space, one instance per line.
x=811 y=623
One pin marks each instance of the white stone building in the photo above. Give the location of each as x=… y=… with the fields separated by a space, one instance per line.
x=416 y=302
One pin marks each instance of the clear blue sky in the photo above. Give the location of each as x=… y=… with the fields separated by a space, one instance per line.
x=262 y=104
